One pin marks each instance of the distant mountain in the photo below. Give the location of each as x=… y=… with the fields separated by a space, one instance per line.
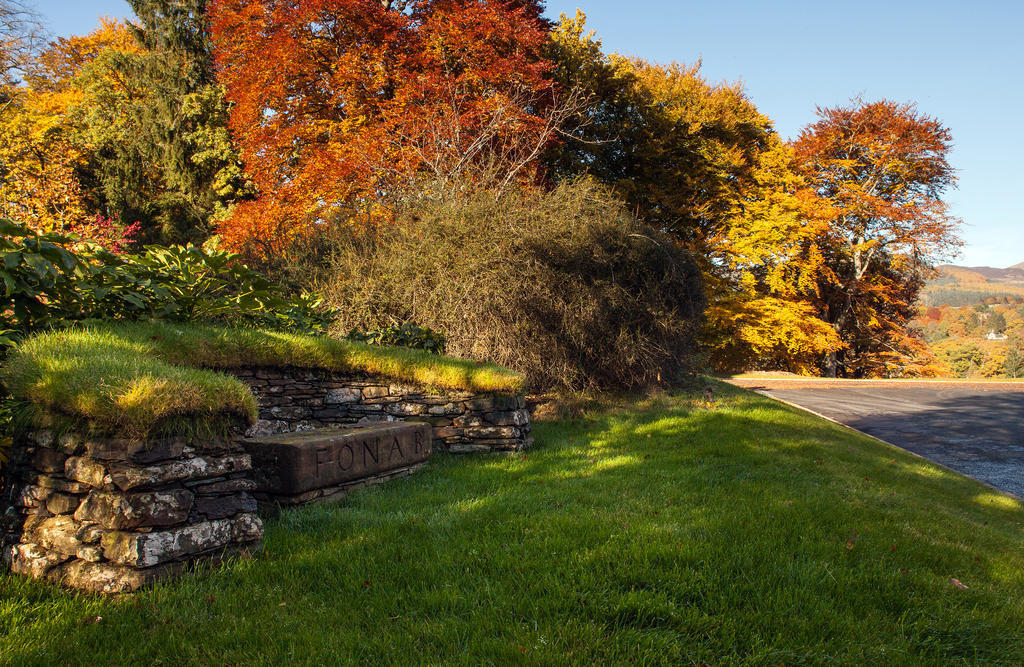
x=1011 y=274
x=969 y=285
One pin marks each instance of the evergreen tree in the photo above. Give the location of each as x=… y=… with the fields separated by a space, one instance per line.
x=176 y=170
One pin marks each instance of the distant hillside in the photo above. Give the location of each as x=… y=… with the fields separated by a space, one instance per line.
x=1013 y=273
x=969 y=285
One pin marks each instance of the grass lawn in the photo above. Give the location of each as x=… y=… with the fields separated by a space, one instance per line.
x=664 y=531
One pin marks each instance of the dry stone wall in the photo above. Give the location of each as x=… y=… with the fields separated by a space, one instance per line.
x=301 y=400
x=110 y=516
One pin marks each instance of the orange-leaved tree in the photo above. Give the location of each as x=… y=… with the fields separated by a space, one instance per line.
x=880 y=169
x=339 y=104
x=46 y=143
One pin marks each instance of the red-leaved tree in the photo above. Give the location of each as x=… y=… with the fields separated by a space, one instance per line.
x=340 y=105
x=880 y=170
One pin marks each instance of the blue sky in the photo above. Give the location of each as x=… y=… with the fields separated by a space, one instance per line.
x=960 y=62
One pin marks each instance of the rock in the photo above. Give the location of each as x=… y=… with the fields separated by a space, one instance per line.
x=41 y=438
x=220 y=507
x=61 y=503
x=375 y=392
x=508 y=418
x=49 y=460
x=294 y=463
x=32 y=560
x=227 y=486
x=91 y=533
x=149 y=549
x=91 y=553
x=343 y=395
x=468 y=420
x=491 y=432
x=31 y=496
x=58 y=533
x=71 y=443
x=87 y=471
x=106 y=577
x=199 y=467
x=407 y=408
x=289 y=412
x=122 y=511
x=264 y=427
x=137 y=451
x=60 y=484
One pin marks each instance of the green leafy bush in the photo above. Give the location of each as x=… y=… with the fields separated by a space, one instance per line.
x=39 y=275
x=563 y=286
x=407 y=335
x=47 y=285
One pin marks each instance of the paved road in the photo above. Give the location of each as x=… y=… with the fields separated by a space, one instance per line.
x=974 y=428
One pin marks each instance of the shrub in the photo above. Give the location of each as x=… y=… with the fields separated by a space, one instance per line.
x=407 y=335
x=47 y=285
x=563 y=286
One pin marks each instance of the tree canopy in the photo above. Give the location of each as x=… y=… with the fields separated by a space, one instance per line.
x=879 y=169
x=339 y=104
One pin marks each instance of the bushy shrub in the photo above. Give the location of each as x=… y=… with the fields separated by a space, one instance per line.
x=406 y=335
x=48 y=285
x=564 y=286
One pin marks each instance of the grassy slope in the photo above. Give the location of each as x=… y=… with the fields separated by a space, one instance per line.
x=667 y=532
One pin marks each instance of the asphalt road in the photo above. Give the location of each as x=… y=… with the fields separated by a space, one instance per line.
x=974 y=428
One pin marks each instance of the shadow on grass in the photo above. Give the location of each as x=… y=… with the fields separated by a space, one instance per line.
x=746 y=530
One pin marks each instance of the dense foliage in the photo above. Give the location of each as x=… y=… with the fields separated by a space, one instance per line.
x=564 y=286
x=404 y=335
x=701 y=163
x=983 y=340
x=280 y=125
x=47 y=285
x=341 y=103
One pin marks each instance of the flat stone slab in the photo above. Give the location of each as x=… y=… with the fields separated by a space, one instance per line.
x=310 y=465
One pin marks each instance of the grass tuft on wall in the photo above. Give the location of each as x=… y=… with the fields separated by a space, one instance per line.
x=145 y=379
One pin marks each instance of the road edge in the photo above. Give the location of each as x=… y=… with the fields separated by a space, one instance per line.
x=884 y=442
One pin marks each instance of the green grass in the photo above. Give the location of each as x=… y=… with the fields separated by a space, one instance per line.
x=665 y=532
x=137 y=379
x=111 y=383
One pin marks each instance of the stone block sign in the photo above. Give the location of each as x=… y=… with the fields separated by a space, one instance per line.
x=109 y=515
x=299 y=400
x=301 y=467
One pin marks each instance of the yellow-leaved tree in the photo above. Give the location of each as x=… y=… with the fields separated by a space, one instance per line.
x=699 y=162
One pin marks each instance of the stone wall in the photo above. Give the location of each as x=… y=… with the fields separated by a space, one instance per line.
x=110 y=515
x=298 y=400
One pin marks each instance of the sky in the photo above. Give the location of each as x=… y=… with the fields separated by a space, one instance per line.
x=960 y=62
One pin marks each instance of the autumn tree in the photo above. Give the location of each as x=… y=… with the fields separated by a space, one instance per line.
x=21 y=38
x=699 y=162
x=339 y=104
x=46 y=181
x=678 y=149
x=881 y=168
